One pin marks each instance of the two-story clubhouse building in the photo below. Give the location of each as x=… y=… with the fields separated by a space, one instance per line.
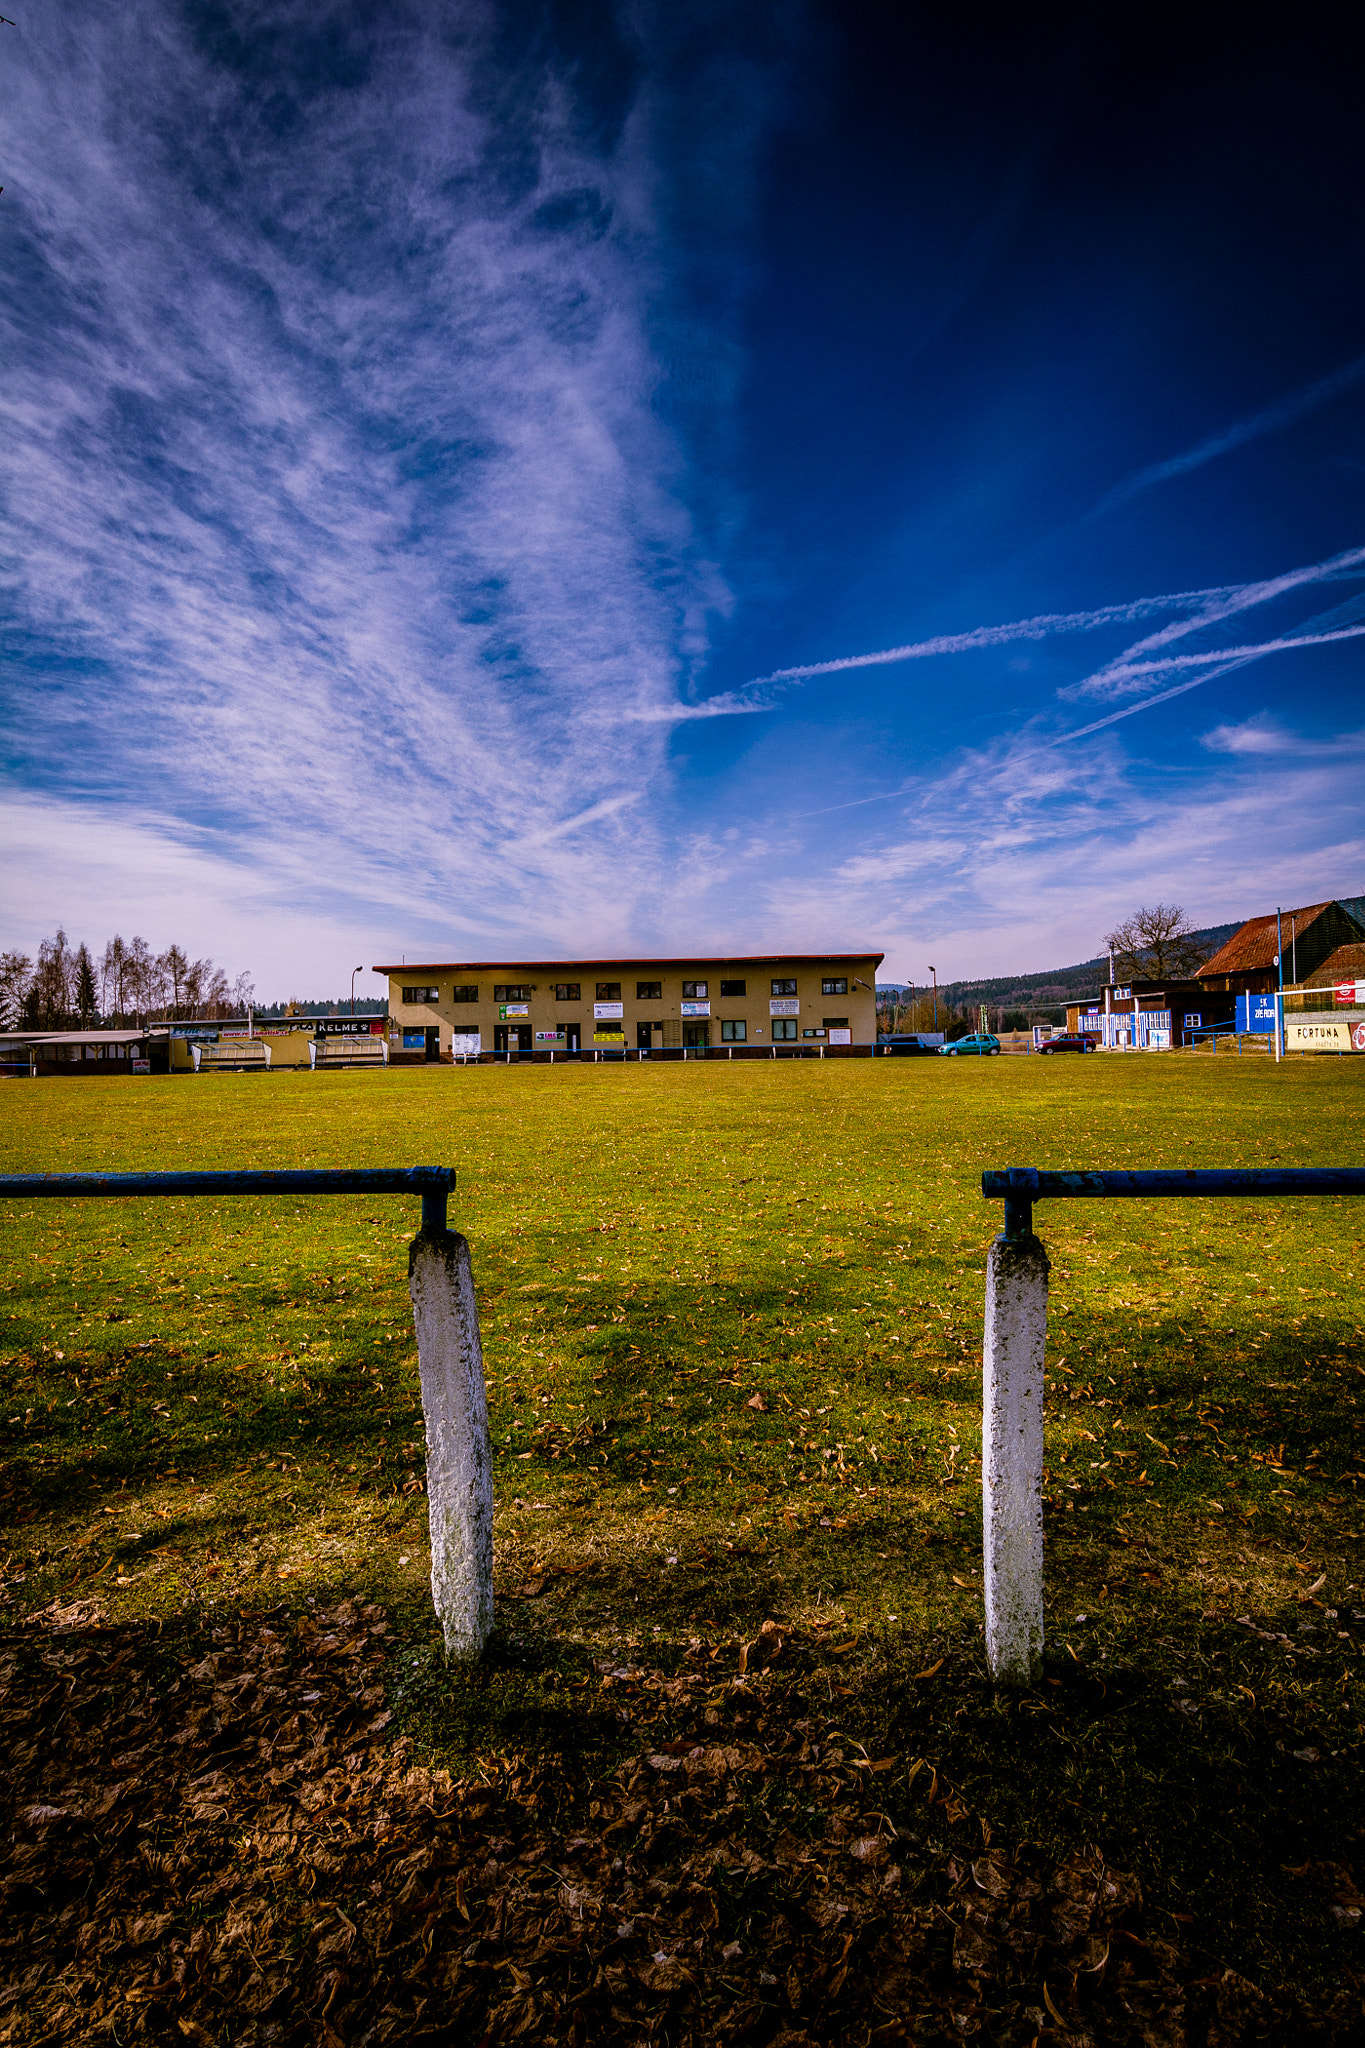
x=759 y=1003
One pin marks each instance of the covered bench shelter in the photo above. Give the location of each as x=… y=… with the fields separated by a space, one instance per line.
x=75 y=1052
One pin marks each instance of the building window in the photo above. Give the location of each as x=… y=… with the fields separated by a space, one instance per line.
x=568 y=992
x=733 y=1030
x=608 y=991
x=420 y=995
x=734 y=988
x=511 y=992
x=838 y=987
x=784 y=1027
x=784 y=988
x=465 y=992
x=696 y=991
x=835 y=1023
x=649 y=991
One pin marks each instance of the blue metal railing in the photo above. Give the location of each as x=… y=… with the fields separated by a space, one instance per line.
x=1021 y=1186
x=432 y=1183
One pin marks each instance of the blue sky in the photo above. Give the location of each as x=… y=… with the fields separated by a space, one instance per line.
x=486 y=480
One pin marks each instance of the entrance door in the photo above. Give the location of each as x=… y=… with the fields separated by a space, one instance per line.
x=696 y=1038
x=523 y=1038
x=433 y=1038
x=644 y=1039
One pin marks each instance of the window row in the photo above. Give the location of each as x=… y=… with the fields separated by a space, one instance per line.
x=610 y=991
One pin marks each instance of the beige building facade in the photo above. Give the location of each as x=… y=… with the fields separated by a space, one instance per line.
x=757 y=1005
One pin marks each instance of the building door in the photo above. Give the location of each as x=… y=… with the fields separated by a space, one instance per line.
x=523 y=1037
x=696 y=1037
x=433 y=1039
x=500 y=1038
x=644 y=1037
x=573 y=1037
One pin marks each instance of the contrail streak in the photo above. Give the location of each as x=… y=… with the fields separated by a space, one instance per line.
x=1040 y=628
x=1285 y=411
x=1223 y=605
x=1122 y=670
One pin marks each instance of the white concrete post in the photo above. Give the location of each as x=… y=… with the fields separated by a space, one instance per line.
x=1012 y=1457
x=459 y=1456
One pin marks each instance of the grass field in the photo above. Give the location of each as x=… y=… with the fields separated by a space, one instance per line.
x=732 y=1322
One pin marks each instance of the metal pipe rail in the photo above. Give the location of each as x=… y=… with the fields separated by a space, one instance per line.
x=433 y=1183
x=1021 y=1186
x=1012 y=1373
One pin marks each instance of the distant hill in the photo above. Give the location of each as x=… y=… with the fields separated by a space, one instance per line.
x=1050 y=990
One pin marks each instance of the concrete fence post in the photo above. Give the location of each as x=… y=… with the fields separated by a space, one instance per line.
x=1012 y=1457
x=459 y=1455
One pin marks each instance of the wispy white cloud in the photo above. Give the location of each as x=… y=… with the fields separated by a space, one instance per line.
x=1016 y=856
x=344 y=516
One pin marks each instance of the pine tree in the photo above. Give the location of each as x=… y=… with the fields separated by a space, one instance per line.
x=86 y=1003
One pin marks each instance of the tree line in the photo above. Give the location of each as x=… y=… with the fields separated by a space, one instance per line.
x=68 y=988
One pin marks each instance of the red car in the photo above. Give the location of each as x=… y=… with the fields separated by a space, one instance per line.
x=1073 y=1042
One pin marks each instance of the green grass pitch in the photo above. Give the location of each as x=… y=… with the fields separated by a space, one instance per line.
x=732 y=1320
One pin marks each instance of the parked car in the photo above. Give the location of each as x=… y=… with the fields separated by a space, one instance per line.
x=905 y=1043
x=1073 y=1041
x=980 y=1041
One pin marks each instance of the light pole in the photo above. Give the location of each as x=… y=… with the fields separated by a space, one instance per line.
x=934 y=971
x=354 y=972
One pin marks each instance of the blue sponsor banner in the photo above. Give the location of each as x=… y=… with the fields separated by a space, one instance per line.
x=1256 y=1013
x=414 y=1041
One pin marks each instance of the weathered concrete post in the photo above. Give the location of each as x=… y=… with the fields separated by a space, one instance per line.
x=459 y=1456
x=1012 y=1449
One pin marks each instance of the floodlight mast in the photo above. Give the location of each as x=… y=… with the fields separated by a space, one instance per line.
x=354 y=972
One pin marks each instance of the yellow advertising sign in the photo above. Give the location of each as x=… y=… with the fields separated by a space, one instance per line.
x=1318 y=1034
x=609 y=1038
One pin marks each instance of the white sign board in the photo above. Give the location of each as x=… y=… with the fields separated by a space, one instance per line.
x=1317 y=1034
x=695 y=1009
x=466 y=1045
x=609 y=1009
x=839 y=1036
x=784 y=1006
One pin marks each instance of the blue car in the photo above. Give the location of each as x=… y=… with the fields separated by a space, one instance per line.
x=980 y=1041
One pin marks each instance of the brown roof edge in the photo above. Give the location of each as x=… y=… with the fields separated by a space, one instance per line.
x=1252 y=945
x=633 y=960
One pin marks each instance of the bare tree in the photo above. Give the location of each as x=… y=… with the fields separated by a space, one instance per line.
x=52 y=991
x=112 y=963
x=1155 y=945
x=176 y=969
x=143 y=979
x=16 y=977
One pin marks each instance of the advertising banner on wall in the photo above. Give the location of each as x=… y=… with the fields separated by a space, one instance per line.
x=609 y=1010
x=1319 y=1034
x=506 y=1010
x=695 y=1009
x=783 y=1006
